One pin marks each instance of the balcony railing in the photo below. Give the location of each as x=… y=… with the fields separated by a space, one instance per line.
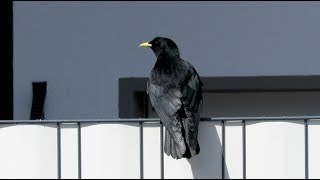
x=141 y=122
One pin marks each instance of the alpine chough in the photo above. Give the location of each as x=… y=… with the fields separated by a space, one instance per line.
x=175 y=91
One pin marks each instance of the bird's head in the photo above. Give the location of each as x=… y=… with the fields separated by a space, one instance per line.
x=162 y=46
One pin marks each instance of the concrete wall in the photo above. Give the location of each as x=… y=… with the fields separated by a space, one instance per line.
x=82 y=48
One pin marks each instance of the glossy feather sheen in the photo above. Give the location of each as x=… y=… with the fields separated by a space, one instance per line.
x=175 y=91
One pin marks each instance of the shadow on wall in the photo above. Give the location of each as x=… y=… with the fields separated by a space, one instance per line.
x=207 y=164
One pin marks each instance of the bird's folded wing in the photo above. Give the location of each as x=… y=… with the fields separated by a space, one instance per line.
x=192 y=94
x=167 y=102
x=192 y=99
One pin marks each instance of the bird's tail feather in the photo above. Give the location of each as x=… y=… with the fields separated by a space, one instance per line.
x=170 y=147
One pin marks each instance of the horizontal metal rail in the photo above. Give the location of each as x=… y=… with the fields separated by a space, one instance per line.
x=132 y=120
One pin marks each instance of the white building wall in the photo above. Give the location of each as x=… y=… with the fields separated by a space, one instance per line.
x=274 y=150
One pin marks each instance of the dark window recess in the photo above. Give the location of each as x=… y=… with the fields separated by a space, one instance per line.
x=133 y=99
x=39 y=94
x=6 y=70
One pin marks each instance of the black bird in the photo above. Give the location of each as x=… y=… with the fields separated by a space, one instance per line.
x=175 y=91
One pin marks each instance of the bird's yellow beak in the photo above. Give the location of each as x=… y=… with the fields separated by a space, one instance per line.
x=146 y=44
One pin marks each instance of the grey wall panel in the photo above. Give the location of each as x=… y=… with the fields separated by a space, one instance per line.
x=82 y=48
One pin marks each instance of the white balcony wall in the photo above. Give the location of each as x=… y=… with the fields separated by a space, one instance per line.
x=274 y=150
x=314 y=149
x=28 y=151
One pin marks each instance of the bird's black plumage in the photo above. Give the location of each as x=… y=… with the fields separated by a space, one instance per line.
x=175 y=91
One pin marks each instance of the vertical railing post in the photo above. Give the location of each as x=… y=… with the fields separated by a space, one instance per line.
x=141 y=150
x=79 y=152
x=59 y=150
x=306 y=149
x=223 y=158
x=161 y=152
x=244 y=149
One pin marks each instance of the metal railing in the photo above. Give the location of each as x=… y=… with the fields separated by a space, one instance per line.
x=223 y=120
